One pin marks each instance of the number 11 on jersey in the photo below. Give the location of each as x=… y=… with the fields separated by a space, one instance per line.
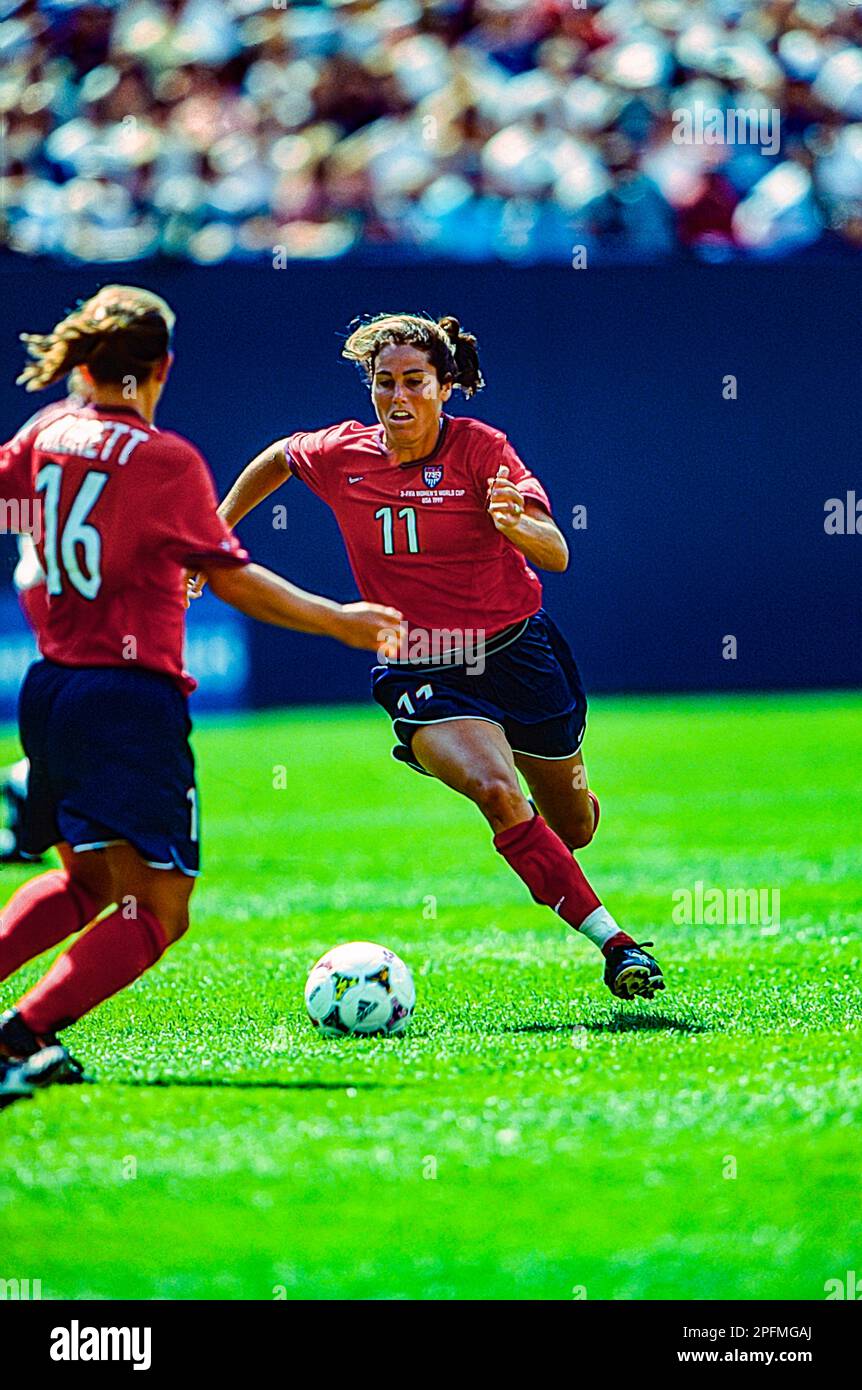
x=408 y=516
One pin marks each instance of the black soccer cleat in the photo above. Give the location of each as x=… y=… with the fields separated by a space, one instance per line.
x=52 y=1066
x=18 y=1043
x=632 y=973
x=13 y=1085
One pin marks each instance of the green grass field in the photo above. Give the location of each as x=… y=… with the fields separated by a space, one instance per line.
x=530 y=1137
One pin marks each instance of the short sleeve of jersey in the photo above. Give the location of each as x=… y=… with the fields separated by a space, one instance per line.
x=314 y=457
x=195 y=536
x=15 y=481
x=526 y=482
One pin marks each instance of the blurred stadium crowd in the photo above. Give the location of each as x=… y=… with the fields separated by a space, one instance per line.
x=235 y=129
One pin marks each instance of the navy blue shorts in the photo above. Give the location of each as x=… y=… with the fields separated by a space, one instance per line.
x=528 y=684
x=109 y=760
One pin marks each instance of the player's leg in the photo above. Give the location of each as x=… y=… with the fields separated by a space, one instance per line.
x=547 y=752
x=88 y=871
x=163 y=893
x=51 y=906
x=473 y=757
x=47 y=909
x=151 y=912
x=107 y=784
x=560 y=792
x=462 y=728
x=559 y=789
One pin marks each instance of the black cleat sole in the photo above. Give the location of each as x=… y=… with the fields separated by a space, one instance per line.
x=637 y=982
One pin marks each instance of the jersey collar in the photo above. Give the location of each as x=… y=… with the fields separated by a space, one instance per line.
x=416 y=463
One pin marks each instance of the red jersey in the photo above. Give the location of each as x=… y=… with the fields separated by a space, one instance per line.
x=119 y=511
x=418 y=535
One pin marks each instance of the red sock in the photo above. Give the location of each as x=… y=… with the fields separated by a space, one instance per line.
x=100 y=963
x=540 y=858
x=42 y=913
x=556 y=880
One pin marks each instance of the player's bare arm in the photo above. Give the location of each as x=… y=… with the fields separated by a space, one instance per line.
x=526 y=524
x=260 y=594
x=267 y=471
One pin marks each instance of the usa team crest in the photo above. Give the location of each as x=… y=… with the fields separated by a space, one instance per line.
x=432 y=474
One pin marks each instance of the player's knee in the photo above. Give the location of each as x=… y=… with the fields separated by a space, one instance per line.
x=174 y=922
x=173 y=925
x=171 y=915
x=579 y=830
x=498 y=798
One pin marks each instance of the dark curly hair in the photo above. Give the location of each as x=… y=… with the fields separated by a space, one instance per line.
x=452 y=353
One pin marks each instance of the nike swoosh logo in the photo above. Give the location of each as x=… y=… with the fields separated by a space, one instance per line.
x=560 y=903
x=356 y=480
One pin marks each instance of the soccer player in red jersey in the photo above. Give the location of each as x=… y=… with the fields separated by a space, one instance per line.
x=119 y=511
x=441 y=518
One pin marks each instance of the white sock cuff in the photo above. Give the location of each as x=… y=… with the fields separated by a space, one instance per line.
x=599 y=927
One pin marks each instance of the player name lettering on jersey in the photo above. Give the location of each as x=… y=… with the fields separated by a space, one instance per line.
x=90 y=439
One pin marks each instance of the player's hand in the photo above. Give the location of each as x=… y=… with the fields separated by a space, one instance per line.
x=505 y=502
x=195 y=584
x=370 y=626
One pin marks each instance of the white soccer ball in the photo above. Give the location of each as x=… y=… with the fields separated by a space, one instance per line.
x=360 y=988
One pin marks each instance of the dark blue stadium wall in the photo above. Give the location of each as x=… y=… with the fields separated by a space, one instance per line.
x=705 y=516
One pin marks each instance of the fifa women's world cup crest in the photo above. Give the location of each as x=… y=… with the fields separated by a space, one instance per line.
x=432 y=473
